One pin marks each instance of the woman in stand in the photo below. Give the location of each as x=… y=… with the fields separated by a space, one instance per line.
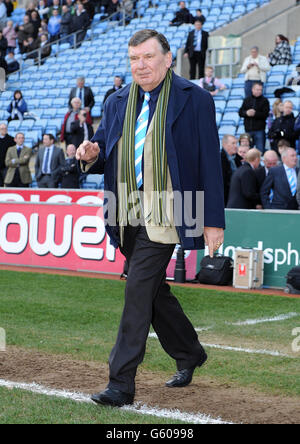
x=282 y=54
x=17 y=107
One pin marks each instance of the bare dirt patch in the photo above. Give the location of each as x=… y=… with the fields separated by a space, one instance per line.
x=203 y=395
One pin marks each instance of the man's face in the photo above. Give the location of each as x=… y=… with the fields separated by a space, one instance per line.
x=3 y=130
x=287 y=108
x=254 y=53
x=71 y=151
x=118 y=82
x=270 y=161
x=231 y=146
x=46 y=140
x=257 y=90
x=290 y=160
x=80 y=83
x=242 y=151
x=19 y=139
x=76 y=104
x=198 y=26
x=182 y=5
x=149 y=65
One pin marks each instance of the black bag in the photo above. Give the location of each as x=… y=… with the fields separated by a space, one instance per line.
x=216 y=271
x=293 y=278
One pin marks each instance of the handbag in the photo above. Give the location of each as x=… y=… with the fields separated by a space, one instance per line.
x=217 y=270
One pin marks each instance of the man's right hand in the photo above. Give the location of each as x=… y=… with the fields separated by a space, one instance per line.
x=88 y=152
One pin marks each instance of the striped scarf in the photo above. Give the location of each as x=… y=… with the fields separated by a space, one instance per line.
x=130 y=208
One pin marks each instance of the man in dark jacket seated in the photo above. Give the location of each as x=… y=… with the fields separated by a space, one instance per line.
x=69 y=171
x=182 y=16
x=244 y=192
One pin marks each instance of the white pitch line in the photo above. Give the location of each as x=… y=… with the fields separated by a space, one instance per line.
x=137 y=408
x=278 y=318
x=238 y=349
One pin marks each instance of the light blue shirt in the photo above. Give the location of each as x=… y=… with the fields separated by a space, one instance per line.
x=198 y=40
x=47 y=164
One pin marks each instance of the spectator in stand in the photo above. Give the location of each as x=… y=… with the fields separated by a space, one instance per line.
x=230 y=160
x=112 y=7
x=48 y=163
x=45 y=47
x=117 y=85
x=295 y=78
x=72 y=7
x=90 y=9
x=244 y=146
x=255 y=110
x=55 y=7
x=6 y=141
x=283 y=127
x=69 y=171
x=199 y=16
x=43 y=28
x=282 y=54
x=270 y=161
x=11 y=36
x=31 y=6
x=36 y=21
x=244 y=193
x=245 y=140
x=54 y=25
x=70 y=117
x=3 y=46
x=255 y=68
x=80 y=129
x=297 y=133
x=17 y=163
x=80 y=22
x=66 y=22
x=30 y=46
x=84 y=93
x=182 y=16
x=210 y=82
x=12 y=64
x=195 y=49
x=17 y=107
x=43 y=10
x=9 y=7
x=3 y=14
x=24 y=31
x=280 y=186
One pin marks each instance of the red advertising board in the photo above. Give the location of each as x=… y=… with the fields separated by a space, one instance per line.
x=61 y=229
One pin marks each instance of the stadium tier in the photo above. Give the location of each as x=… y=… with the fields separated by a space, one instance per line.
x=46 y=88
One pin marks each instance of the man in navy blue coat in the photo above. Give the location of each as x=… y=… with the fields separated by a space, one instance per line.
x=193 y=166
x=279 y=189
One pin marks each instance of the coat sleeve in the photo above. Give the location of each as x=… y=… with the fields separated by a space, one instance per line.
x=266 y=189
x=298 y=191
x=210 y=166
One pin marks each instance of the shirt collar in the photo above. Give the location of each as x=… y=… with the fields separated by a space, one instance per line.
x=153 y=94
x=288 y=168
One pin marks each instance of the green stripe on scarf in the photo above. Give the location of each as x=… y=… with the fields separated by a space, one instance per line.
x=129 y=204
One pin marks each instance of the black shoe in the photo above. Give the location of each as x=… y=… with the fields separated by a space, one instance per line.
x=114 y=398
x=184 y=377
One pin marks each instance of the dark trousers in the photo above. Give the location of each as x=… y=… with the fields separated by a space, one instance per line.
x=17 y=183
x=46 y=181
x=148 y=300
x=259 y=140
x=2 y=176
x=198 y=59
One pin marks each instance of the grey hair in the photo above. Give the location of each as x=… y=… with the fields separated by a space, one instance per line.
x=146 y=34
x=256 y=48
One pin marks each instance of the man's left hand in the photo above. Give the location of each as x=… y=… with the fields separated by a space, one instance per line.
x=214 y=238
